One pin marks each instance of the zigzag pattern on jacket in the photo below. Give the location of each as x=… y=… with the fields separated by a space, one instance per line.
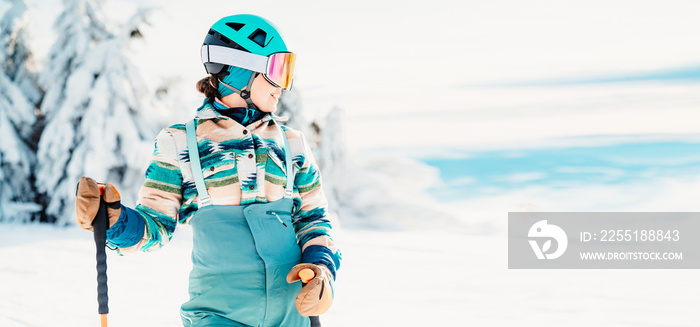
x=241 y=165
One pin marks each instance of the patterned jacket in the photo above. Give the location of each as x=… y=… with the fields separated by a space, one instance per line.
x=241 y=165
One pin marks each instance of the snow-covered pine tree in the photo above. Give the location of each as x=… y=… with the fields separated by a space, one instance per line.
x=16 y=158
x=14 y=58
x=17 y=56
x=104 y=126
x=79 y=27
x=16 y=117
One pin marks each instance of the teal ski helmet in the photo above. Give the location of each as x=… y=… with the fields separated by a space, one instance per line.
x=237 y=44
x=245 y=32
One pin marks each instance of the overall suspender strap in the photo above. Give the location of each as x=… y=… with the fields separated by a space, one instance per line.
x=290 y=169
x=193 y=150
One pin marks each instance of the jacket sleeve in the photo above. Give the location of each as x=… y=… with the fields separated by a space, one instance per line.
x=151 y=224
x=309 y=215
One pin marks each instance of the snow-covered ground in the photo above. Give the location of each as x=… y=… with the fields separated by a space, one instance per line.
x=387 y=279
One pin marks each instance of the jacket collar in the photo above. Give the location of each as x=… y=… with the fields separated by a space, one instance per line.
x=207 y=111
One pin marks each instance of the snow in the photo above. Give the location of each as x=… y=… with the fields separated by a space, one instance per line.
x=386 y=279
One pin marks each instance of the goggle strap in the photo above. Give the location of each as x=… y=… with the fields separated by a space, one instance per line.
x=232 y=57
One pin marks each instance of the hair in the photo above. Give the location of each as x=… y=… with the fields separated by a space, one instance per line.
x=209 y=86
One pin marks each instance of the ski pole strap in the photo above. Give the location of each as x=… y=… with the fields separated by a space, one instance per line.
x=193 y=150
x=99 y=225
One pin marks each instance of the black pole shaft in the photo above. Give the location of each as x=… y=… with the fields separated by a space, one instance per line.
x=315 y=322
x=100 y=228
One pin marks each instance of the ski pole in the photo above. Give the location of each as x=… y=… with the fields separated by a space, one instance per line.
x=99 y=225
x=306 y=275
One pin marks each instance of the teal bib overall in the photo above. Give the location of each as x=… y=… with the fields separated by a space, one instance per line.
x=241 y=256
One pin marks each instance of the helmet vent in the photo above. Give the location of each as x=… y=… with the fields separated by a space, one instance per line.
x=225 y=39
x=259 y=37
x=235 y=26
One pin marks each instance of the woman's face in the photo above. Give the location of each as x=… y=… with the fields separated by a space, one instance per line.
x=264 y=95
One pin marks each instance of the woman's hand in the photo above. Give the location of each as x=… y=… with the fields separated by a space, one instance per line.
x=317 y=296
x=87 y=202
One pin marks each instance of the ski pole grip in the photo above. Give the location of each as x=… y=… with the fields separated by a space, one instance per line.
x=99 y=225
x=306 y=275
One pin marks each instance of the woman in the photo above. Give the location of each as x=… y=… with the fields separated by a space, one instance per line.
x=227 y=173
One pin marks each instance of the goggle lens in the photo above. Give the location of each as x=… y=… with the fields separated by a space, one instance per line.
x=280 y=69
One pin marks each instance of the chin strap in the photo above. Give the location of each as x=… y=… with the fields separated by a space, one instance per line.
x=245 y=94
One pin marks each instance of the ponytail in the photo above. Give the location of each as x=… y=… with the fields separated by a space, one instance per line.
x=209 y=86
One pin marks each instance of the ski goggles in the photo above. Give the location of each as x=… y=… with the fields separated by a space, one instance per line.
x=277 y=68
